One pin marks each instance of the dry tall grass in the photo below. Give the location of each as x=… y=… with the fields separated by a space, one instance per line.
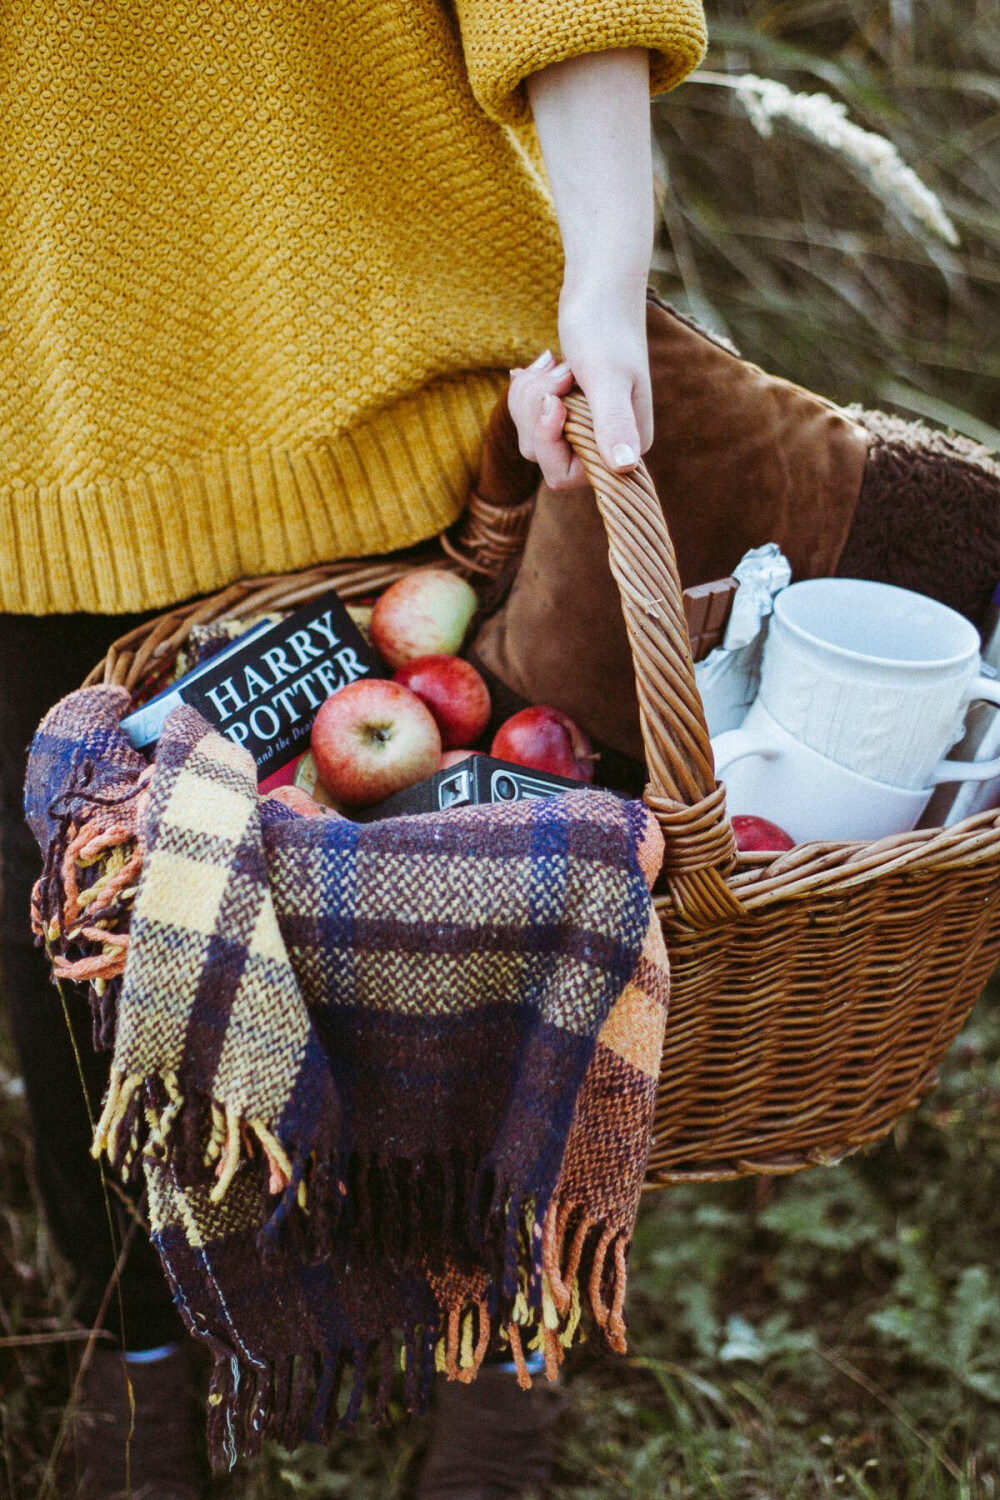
x=782 y=244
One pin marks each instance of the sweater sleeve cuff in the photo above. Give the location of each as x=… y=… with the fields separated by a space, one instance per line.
x=505 y=41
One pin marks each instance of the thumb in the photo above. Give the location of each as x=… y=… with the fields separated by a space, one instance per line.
x=615 y=426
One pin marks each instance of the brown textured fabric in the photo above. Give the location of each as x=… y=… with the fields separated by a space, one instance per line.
x=929 y=515
x=739 y=458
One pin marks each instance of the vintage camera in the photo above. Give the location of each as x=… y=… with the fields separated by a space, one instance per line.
x=473 y=781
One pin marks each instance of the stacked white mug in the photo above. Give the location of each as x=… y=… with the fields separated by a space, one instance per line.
x=864 y=690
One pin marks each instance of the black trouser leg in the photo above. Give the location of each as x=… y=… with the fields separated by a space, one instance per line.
x=42 y=659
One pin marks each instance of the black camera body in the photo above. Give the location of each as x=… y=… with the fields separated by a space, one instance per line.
x=478 y=779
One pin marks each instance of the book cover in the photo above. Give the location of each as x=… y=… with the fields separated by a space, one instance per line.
x=144 y=725
x=265 y=690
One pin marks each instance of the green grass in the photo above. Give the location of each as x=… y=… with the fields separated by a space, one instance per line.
x=831 y=1334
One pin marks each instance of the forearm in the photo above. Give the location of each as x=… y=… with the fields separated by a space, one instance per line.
x=592 y=117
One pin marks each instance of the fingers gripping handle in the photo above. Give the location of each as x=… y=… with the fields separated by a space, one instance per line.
x=682 y=789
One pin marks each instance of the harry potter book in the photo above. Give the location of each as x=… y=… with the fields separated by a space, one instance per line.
x=265 y=689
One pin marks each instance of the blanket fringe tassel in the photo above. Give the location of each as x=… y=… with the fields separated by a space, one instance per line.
x=82 y=903
x=549 y=1265
x=305 y=1397
x=543 y=1266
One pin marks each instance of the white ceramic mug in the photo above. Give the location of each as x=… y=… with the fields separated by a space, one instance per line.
x=875 y=678
x=773 y=775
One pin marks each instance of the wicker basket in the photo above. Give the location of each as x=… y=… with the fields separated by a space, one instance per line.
x=814 y=992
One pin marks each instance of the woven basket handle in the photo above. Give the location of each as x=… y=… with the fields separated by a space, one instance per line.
x=688 y=802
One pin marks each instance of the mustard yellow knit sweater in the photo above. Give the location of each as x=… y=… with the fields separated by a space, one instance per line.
x=263 y=268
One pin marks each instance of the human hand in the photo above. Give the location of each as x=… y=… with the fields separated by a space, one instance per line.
x=603 y=340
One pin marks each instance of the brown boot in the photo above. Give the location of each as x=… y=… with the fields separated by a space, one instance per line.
x=166 y=1451
x=490 y=1439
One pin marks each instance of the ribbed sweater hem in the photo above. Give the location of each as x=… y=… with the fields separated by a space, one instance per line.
x=197 y=524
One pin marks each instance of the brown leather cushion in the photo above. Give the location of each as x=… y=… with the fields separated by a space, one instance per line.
x=739 y=458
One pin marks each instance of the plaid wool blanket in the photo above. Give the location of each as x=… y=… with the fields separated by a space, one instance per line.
x=390 y=1085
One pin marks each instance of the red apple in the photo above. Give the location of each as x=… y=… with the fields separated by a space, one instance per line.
x=546 y=740
x=454 y=692
x=307 y=780
x=455 y=757
x=372 y=738
x=301 y=802
x=427 y=611
x=753 y=834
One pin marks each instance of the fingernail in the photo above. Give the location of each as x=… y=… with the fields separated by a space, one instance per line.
x=560 y=371
x=548 y=405
x=623 y=456
x=542 y=360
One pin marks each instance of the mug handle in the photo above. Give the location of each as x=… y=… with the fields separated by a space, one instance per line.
x=982 y=690
x=737 y=744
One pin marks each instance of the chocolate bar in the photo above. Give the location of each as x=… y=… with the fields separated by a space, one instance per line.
x=706 y=609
